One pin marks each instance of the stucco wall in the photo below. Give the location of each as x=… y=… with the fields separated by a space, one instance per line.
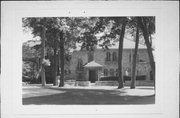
x=73 y=65
x=143 y=68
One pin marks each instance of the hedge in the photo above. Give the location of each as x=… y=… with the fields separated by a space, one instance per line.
x=126 y=78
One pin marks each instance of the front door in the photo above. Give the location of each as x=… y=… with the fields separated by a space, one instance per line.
x=92 y=76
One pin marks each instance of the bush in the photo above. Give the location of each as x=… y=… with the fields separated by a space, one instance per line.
x=48 y=75
x=114 y=78
x=141 y=77
x=126 y=78
x=109 y=78
x=26 y=79
x=29 y=75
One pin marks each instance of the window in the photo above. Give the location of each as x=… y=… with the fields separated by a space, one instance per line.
x=105 y=72
x=111 y=72
x=114 y=56
x=108 y=56
x=80 y=64
x=130 y=57
x=69 y=71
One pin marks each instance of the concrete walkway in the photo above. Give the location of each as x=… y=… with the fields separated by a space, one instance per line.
x=53 y=95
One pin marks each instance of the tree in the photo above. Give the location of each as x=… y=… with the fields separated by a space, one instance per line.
x=133 y=79
x=150 y=29
x=66 y=32
x=55 y=66
x=87 y=34
x=29 y=63
x=147 y=25
x=43 y=78
x=38 y=28
x=52 y=42
x=62 y=59
x=120 y=53
x=58 y=33
x=114 y=30
x=60 y=39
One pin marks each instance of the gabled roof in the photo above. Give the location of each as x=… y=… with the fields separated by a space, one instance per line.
x=127 y=44
x=92 y=64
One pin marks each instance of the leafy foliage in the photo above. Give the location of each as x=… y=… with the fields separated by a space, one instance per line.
x=88 y=31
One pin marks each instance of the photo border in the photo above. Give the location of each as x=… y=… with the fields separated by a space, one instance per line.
x=12 y=23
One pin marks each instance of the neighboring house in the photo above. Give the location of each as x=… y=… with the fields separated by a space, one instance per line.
x=91 y=66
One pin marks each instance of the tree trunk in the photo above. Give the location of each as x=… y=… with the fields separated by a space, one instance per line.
x=142 y=23
x=133 y=79
x=120 y=53
x=54 y=68
x=58 y=67
x=58 y=63
x=62 y=59
x=43 y=78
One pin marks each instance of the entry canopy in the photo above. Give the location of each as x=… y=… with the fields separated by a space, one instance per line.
x=92 y=64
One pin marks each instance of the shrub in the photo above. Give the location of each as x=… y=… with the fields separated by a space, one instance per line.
x=141 y=77
x=26 y=79
x=126 y=78
x=109 y=78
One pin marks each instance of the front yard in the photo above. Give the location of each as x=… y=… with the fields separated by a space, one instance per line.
x=101 y=95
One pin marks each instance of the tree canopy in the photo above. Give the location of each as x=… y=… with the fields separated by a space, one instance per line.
x=61 y=34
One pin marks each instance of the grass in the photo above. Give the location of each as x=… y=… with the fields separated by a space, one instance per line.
x=81 y=96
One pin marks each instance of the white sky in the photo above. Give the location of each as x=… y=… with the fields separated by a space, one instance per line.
x=28 y=36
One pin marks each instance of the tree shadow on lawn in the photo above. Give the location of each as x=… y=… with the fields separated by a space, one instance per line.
x=145 y=88
x=88 y=97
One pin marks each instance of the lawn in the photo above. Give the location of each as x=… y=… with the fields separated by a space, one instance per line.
x=50 y=95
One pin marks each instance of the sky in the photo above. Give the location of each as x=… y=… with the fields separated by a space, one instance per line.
x=28 y=36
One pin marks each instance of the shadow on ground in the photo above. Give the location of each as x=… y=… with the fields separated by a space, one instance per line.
x=145 y=88
x=87 y=97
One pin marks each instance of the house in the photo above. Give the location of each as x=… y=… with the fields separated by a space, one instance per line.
x=90 y=66
x=93 y=65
